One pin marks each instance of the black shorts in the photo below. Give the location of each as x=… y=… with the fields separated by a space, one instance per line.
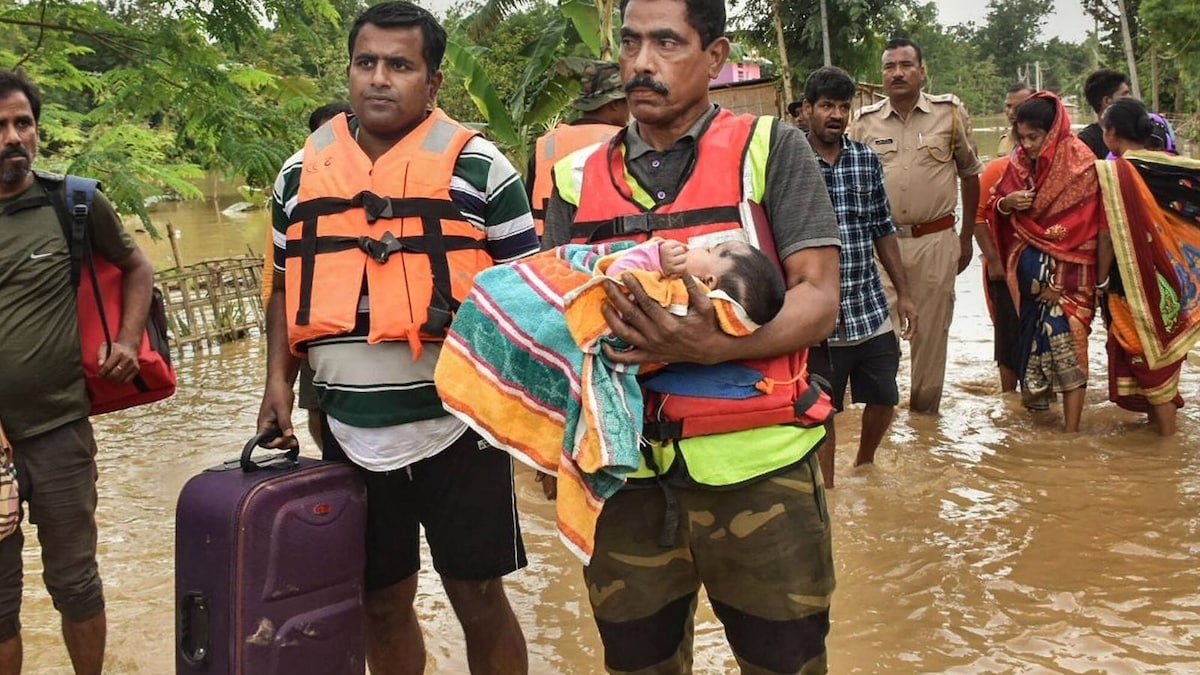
x=1006 y=326
x=870 y=367
x=462 y=496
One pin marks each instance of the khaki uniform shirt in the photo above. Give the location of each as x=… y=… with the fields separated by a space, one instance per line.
x=1005 y=145
x=922 y=156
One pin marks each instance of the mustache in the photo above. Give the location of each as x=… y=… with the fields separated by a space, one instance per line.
x=646 y=82
x=15 y=151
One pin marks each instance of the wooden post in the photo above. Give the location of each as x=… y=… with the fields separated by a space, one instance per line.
x=1127 y=39
x=173 y=236
x=1153 y=77
x=825 y=34
x=786 y=70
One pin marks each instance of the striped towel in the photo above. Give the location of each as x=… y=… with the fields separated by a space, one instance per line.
x=522 y=364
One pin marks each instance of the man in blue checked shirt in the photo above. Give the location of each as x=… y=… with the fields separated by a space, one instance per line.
x=863 y=349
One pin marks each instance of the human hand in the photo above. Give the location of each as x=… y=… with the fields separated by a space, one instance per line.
x=118 y=365
x=907 y=311
x=549 y=485
x=1021 y=200
x=673 y=256
x=656 y=334
x=995 y=269
x=1050 y=294
x=965 y=253
x=275 y=413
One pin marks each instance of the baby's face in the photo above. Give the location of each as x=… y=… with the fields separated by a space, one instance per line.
x=709 y=263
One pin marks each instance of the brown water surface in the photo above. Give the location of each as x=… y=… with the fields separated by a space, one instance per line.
x=983 y=541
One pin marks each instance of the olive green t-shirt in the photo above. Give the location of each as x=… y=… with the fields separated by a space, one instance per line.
x=41 y=372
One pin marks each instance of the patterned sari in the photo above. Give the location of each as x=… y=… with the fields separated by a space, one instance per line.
x=1052 y=243
x=1152 y=201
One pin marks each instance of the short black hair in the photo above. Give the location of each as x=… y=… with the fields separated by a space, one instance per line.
x=1020 y=85
x=1038 y=111
x=706 y=16
x=1101 y=84
x=754 y=282
x=1130 y=120
x=829 y=82
x=12 y=81
x=900 y=43
x=400 y=14
x=327 y=112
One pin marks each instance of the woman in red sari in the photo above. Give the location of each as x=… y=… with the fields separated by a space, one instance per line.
x=1049 y=218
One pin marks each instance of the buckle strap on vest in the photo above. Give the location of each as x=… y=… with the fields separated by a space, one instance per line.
x=381 y=249
x=377 y=207
x=650 y=222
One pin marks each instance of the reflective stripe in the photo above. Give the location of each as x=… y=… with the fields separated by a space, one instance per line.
x=754 y=168
x=568 y=174
x=548 y=148
x=323 y=137
x=638 y=193
x=439 y=137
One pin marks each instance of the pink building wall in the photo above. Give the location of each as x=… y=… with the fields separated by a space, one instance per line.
x=737 y=72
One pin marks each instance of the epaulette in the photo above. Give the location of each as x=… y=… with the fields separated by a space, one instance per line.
x=49 y=175
x=944 y=98
x=874 y=107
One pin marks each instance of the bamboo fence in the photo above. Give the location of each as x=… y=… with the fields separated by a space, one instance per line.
x=213 y=302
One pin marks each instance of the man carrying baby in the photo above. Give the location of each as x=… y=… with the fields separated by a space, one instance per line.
x=690 y=171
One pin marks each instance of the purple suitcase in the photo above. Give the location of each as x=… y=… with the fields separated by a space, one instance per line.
x=269 y=557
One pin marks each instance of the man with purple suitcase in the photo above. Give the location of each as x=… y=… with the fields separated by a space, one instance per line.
x=381 y=222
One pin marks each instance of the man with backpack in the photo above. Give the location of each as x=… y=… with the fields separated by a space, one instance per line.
x=44 y=402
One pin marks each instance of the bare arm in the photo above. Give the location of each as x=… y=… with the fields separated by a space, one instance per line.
x=276 y=409
x=889 y=254
x=1104 y=258
x=983 y=237
x=121 y=364
x=969 y=188
x=808 y=316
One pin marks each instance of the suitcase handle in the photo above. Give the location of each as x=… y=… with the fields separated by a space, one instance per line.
x=248 y=465
x=194 y=628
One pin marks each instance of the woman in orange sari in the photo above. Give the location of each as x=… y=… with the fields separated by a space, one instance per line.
x=1152 y=299
x=1049 y=218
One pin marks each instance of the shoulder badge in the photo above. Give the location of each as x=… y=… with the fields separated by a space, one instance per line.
x=945 y=98
x=874 y=107
x=49 y=175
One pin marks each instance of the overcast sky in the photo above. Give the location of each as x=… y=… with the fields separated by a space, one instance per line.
x=1068 y=22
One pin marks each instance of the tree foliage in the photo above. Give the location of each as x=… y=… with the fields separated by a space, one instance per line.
x=148 y=96
x=1011 y=31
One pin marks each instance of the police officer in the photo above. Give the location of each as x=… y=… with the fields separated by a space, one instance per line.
x=603 y=111
x=926 y=148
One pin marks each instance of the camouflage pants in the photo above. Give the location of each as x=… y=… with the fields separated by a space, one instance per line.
x=762 y=551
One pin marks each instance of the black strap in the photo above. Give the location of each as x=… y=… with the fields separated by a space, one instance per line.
x=431 y=243
x=662 y=430
x=442 y=304
x=816 y=384
x=666 y=536
x=377 y=207
x=652 y=221
x=308 y=264
x=380 y=249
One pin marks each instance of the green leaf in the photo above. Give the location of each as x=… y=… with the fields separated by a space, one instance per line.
x=479 y=87
x=586 y=18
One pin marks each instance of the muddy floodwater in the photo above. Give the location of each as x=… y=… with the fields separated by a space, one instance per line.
x=983 y=541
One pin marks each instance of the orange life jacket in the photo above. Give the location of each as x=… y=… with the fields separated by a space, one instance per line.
x=554 y=145
x=392 y=220
x=711 y=200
